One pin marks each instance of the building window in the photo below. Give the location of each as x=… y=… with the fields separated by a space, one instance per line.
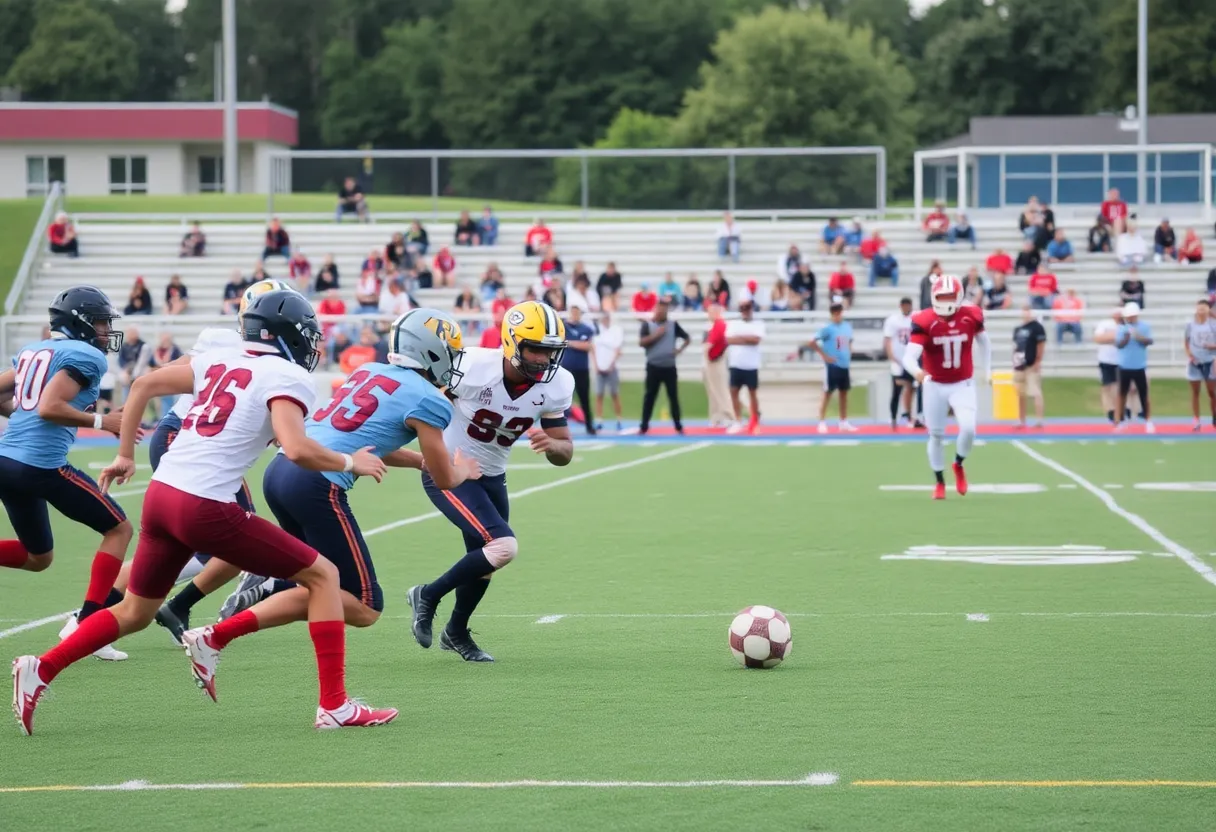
x=210 y=174
x=40 y=172
x=128 y=174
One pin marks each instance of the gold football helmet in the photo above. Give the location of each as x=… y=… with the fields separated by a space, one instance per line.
x=534 y=325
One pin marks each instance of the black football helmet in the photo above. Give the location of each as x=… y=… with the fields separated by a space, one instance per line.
x=76 y=312
x=284 y=319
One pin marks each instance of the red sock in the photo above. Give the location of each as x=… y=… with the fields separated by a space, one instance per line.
x=12 y=554
x=93 y=633
x=101 y=580
x=241 y=624
x=329 y=640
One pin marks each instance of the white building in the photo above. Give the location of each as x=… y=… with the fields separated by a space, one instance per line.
x=165 y=148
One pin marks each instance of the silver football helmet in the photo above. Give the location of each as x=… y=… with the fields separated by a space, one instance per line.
x=430 y=341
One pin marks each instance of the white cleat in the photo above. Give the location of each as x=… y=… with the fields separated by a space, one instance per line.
x=735 y=427
x=353 y=714
x=106 y=654
x=1149 y=427
x=845 y=427
x=203 y=658
x=28 y=688
x=823 y=427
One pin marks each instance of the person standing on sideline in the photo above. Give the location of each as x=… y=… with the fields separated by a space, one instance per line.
x=605 y=353
x=576 y=359
x=1029 y=345
x=713 y=369
x=659 y=338
x=1108 y=362
x=1200 y=345
x=744 y=336
x=834 y=343
x=1133 y=339
x=896 y=332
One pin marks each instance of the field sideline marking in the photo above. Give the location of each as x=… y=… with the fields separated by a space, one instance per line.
x=552 y=618
x=1179 y=551
x=1035 y=784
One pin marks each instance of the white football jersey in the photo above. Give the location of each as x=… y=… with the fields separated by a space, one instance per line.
x=208 y=339
x=898 y=328
x=486 y=421
x=228 y=426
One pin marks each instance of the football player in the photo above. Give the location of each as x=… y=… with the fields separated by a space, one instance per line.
x=244 y=398
x=50 y=392
x=941 y=340
x=504 y=393
x=381 y=406
x=896 y=332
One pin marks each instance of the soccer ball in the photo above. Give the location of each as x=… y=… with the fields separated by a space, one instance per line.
x=760 y=637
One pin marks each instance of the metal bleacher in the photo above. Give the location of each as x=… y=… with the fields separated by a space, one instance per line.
x=114 y=252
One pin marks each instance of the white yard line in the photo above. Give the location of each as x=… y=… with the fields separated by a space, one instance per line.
x=1178 y=550
x=36 y=623
x=553 y=618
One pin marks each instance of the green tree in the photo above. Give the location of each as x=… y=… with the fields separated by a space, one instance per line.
x=16 y=26
x=890 y=19
x=797 y=78
x=75 y=53
x=965 y=73
x=158 y=41
x=1181 y=55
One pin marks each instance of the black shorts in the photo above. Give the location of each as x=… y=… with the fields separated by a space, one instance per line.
x=1137 y=377
x=26 y=490
x=904 y=376
x=311 y=508
x=479 y=508
x=1109 y=373
x=744 y=378
x=837 y=378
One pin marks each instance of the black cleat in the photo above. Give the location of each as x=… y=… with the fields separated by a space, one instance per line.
x=463 y=644
x=168 y=619
x=424 y=615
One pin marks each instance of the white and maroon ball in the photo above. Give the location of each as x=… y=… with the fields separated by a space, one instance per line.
x=760 y=637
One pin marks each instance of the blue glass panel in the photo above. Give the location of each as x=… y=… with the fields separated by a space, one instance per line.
x=1127 y=188
x=1079 y=192
x=988 y=181
x=1181 y=162
x=1123 y=163
x=1039 y=163
x=1017 y=191
x=1180 y=189
x=1089 y=163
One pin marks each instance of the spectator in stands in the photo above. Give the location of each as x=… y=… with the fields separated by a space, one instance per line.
x=234 y=289
x=530 y=293
x=718 y=291
x=393 y=301
x=367 y=291
x=926 y=284
x=555 y=296
x=779 y=298
x=1165 y=242
x=162 y=355
x=577 y=360
x=644 y=301
x=467 y=301
x=466 y=231
x=579 y=270
x=374 y=261
x=1192 y=248
x=936 y=224
x=177 y=297
x=62 y=236
x=538 y=240
x=416 y=240
x=1030 y=221
x=578 y=293
x=551 y=264
x=443 y=267
x=1067 y=310
x=491 y=282
x=396 y=252
x=728 y=238
x=999 y=262
x=139 y=302
x=299 y=270
x=842 y=285
x=336 y=346
x=961 y=230
x=884 y=265
x=369 y=339
x=1114 y=212
x=133 y=357
x=1059 y=250
x=487 y=227
x=194 y=244
x=259 y=273
x=330 y=304
x=605 y=353
x=500 y=305
x=1028 y=259
x=277 y=241
x=351 y=200
x=870 y=246
x=973 y=287
x=609 y=283
x=327 y=277
x=1029 y=346
x=802 y=285
x=1042 y=287
x=1099 y=236
x=854 y=237
x=1212 y=285
x=997 y=295
x=831 y=241
x=1132 y=290
x=1047 y=231
x=669 y=290
x=491 y=336
x=1130 y=248
x=692 y=299
x=789 y=264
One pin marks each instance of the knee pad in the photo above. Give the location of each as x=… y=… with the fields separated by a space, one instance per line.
x=500 y=551
x=938 y=433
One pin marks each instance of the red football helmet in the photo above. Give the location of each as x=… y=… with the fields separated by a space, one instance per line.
x=947 y=295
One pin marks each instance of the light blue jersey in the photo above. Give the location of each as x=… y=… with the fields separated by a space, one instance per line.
x=1133 y=355
x=371 y=408
x=30 y=438
x=836 y=339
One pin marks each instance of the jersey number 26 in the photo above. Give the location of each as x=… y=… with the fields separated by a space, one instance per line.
x=217 y=399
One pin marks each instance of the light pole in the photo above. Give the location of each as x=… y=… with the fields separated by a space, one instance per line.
x=1142 y=106
x=231 y=164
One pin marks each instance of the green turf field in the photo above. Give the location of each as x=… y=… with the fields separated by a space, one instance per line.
x=923 y=687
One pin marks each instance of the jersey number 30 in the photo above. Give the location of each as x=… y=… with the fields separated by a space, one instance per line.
x=215 y=403
x=952 y=349
x=363 y=397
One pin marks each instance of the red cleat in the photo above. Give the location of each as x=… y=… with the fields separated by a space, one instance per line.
x=960 y=478
x=939 y=491
x=353 y=715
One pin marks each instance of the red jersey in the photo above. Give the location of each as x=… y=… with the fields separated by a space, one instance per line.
x=538 y=237
x=644 y=302
x=1114 y=210
x=841 y=282
x=1043 y=284
x=870 y=247
x=947 y=342
x=999 y=263
x=936 y=223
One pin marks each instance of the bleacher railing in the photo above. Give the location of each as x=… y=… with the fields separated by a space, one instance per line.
x=35 y=248
x=585 y=183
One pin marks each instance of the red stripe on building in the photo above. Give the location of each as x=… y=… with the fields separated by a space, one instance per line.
x=144 y=123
